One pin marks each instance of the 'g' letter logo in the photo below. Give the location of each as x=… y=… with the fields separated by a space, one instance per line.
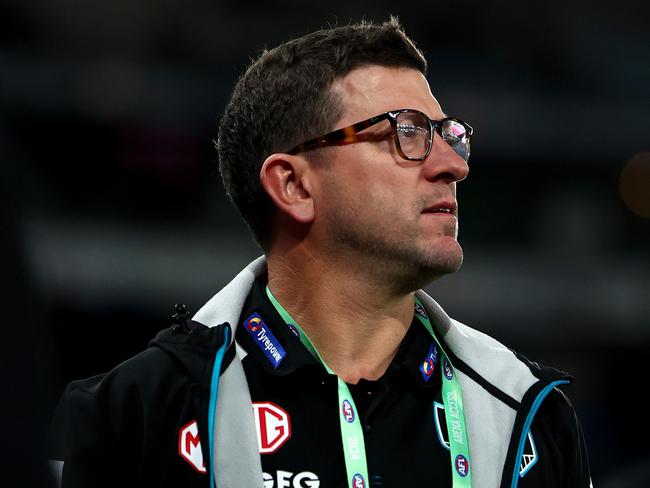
x=189 y=446
x=273 y=426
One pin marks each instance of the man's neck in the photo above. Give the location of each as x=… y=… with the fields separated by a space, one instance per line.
x=355 y=326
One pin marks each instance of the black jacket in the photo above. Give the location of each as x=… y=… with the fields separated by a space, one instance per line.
x=126 y=428
x=122 y=428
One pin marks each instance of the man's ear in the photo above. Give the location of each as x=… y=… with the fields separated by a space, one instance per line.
x=286 y=180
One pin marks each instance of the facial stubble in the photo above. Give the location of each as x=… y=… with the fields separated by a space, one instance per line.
x=375 y=239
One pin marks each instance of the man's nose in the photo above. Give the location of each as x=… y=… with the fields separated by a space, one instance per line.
x=443 y=163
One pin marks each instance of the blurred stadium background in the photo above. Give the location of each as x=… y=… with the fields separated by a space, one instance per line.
x=114 y=210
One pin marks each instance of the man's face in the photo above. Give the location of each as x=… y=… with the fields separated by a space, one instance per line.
x=373 y=204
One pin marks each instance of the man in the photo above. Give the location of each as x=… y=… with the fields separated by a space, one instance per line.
x=323 y=363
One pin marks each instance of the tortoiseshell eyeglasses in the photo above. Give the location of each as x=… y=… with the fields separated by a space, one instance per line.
x=412 y=133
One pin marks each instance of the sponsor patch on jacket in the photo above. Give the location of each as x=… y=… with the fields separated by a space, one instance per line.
x=264 y=339
x=287 y=478
x=430 y=362
x=273 y=426
x=189 y=446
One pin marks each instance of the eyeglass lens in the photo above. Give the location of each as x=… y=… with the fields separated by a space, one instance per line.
x=455 y=134
x=413 y=132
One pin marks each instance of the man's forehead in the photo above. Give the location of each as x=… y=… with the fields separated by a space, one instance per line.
x=370 y=90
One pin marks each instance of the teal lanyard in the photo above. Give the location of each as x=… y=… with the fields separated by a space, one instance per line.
x=354 y=450
x=452 y=397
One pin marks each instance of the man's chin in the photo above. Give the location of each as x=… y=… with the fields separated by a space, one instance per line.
x=442 y=262
x=442 y=267
x=418 y=273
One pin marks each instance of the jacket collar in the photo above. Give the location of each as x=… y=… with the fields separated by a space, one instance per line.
x=490 y=359
x=412 y=353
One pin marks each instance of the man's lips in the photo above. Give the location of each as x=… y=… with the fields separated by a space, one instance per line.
x=447 y=207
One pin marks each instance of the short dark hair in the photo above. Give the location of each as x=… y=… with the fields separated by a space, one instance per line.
x=284 y=98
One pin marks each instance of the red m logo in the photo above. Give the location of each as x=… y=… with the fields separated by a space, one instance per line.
x=189 y=446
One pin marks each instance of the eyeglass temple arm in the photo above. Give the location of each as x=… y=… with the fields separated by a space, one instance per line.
x=344 y=135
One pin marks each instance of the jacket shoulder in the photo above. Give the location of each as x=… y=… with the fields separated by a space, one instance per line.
x=130 y=417
x=96 y=404
x=490 y=362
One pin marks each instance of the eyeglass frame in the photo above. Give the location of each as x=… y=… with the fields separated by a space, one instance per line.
x=347 y=135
